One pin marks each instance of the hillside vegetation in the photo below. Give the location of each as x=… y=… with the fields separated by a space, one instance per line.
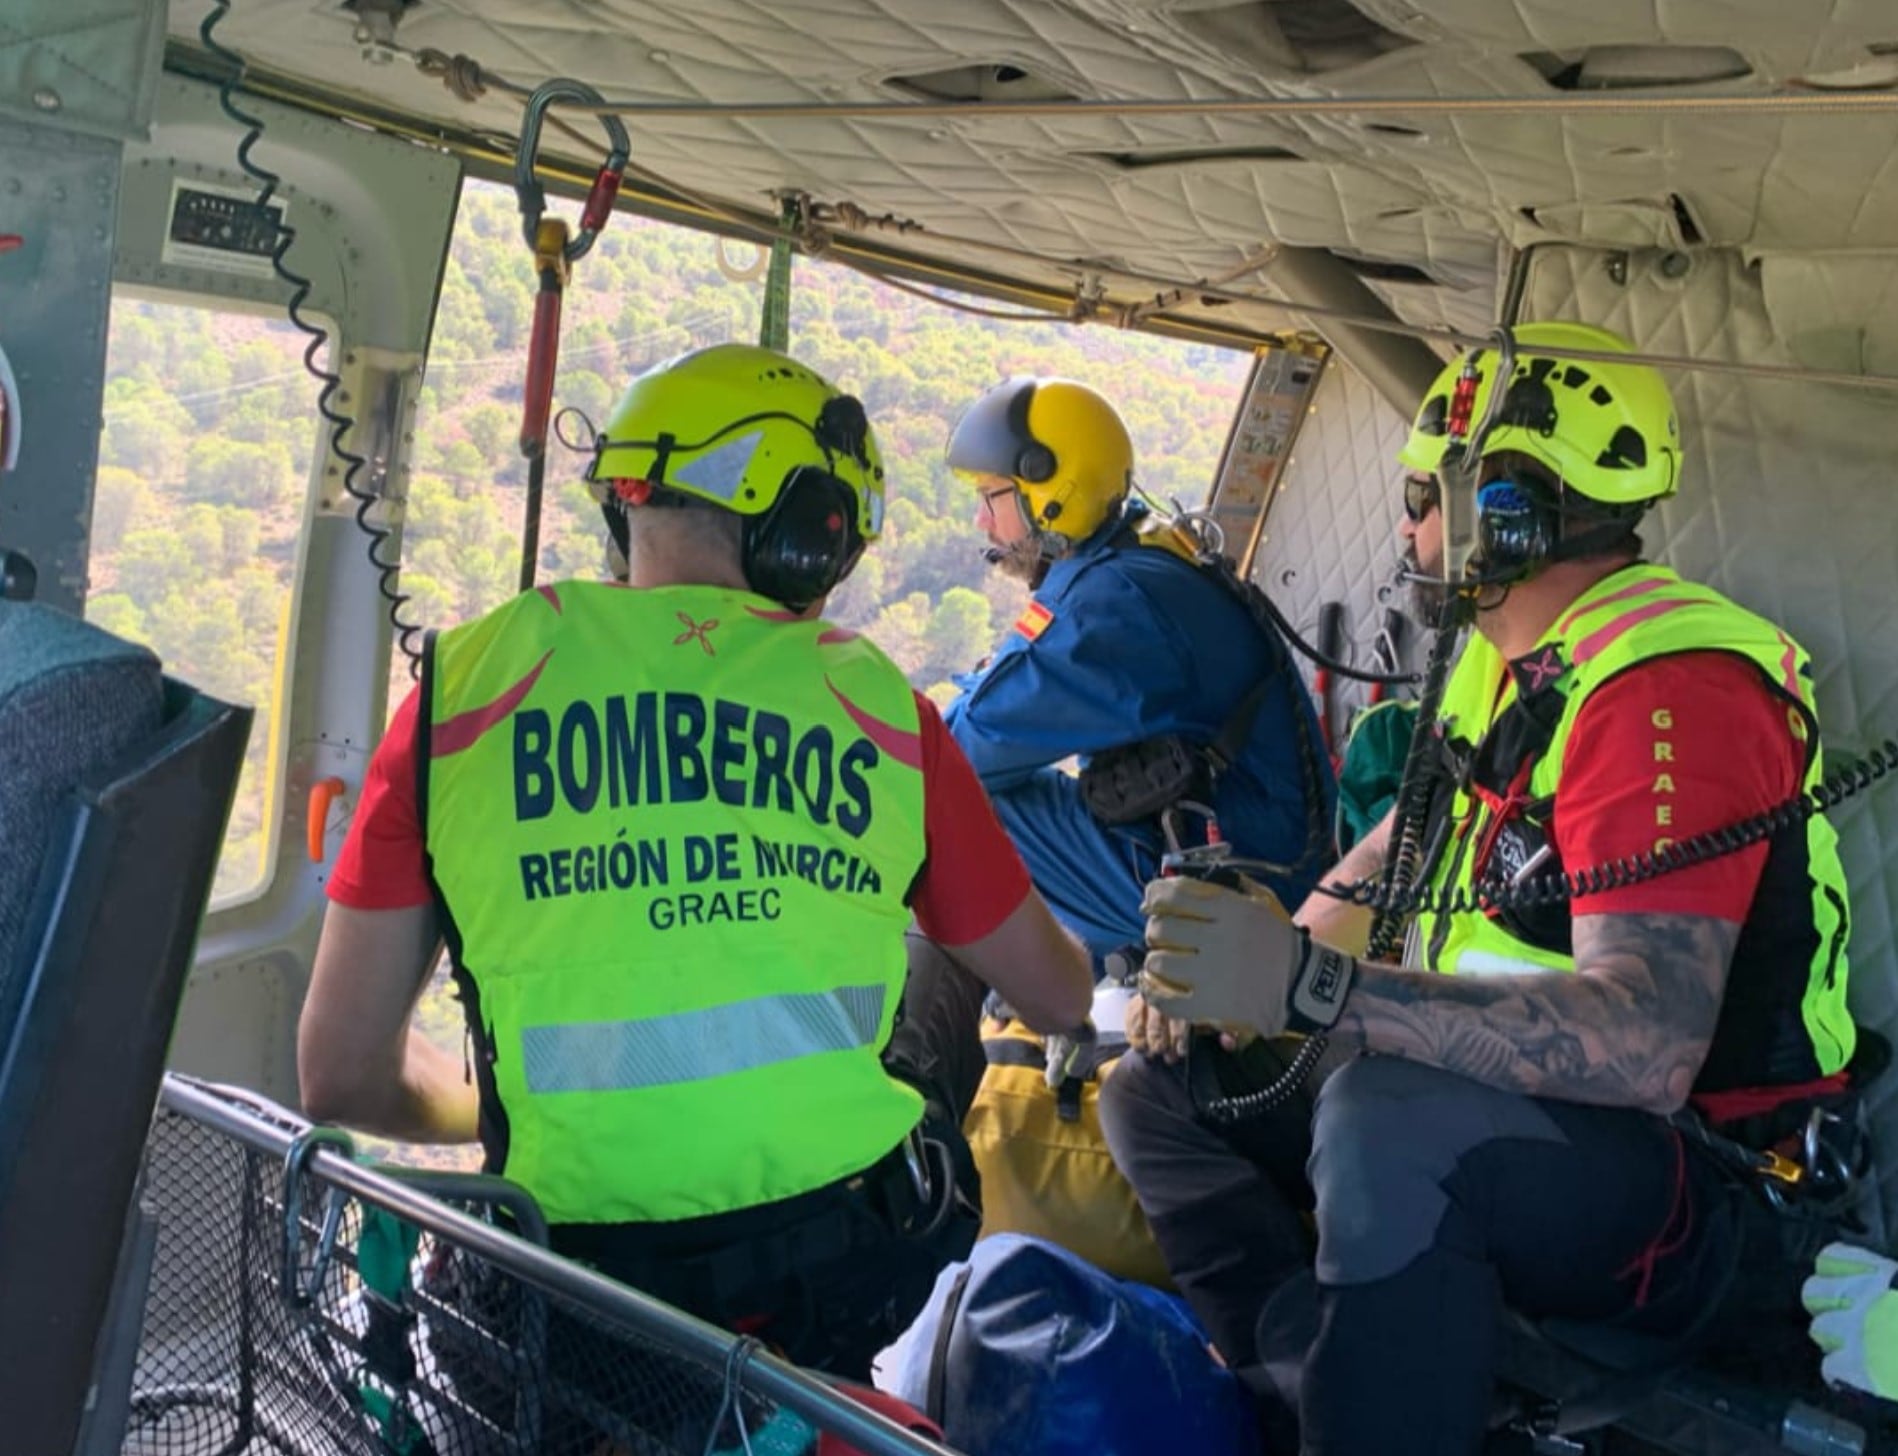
x=211 y=432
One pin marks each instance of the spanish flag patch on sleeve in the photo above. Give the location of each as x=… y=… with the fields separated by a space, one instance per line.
x=1033 y=621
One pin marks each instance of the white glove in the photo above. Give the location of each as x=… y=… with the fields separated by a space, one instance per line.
x=1234 y=958
x=1855 y=1318
x=1066 y=1052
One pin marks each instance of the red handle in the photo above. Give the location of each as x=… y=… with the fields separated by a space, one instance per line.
x=323 y=793
x=543 y=354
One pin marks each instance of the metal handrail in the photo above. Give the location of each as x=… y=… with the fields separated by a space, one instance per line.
x=765 y=1375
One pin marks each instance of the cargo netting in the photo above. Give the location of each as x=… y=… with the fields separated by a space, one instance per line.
x=262 y=1333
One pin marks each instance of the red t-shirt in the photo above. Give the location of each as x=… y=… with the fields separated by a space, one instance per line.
x=1667 y=750
x=971 y=881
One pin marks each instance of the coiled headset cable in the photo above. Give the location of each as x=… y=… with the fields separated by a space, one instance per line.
x=1539 y=891
x=388 y=569
x=1401 y=868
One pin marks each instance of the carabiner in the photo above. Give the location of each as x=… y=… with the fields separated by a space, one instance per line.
x=532 y=197
x=296 y=1288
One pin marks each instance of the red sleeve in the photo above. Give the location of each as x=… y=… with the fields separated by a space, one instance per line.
x=973 y=879
x=382 y=865
x=1667 y=750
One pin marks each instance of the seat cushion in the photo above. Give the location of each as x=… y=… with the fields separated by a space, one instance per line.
x=73 y=700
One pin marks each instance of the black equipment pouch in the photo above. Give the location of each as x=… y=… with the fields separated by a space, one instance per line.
x=1134 y=783
x=1143 y=780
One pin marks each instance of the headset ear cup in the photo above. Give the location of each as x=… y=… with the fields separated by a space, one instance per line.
x=1514 y=532
x=1036 y=463
x=805 y=543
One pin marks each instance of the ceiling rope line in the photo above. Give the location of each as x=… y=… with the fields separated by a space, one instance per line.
x=818 y=221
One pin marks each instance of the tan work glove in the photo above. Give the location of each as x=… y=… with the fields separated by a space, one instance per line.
x=1067 y=1052
x=1234 y=958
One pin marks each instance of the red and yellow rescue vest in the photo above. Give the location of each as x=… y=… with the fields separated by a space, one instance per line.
x=1786 y=1020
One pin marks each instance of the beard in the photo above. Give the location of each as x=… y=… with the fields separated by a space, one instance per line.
x=1023 y=561
x=1428 y=597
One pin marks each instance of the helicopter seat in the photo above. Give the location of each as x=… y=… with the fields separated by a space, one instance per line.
x=114 y=787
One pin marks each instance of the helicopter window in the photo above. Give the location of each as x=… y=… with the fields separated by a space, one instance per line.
x=649 y=290
x=204 y=464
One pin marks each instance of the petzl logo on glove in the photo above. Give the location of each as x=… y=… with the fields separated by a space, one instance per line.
x=1318 y=995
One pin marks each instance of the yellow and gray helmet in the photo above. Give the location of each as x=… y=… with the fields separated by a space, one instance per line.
x=1065 y=447
x=732 y=425
x=1606 y=430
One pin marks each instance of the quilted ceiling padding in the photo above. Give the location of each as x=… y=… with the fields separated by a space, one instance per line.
x=1419 y=203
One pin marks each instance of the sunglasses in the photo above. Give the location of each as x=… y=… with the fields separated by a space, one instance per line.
x=1422 y=495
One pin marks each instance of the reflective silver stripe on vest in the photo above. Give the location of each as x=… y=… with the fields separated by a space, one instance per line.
x=693 y=1046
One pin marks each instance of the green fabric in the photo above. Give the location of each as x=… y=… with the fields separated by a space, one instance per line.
x=774 y=329
x=385 y=1249
x=674 y=831
x=1633 y=616
x=384 y=1252
x=1372 y=769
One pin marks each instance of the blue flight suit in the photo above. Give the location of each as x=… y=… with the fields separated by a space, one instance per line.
x=1136 y=642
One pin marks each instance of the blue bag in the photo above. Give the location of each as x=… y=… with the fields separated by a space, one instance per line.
x=1028 y=1350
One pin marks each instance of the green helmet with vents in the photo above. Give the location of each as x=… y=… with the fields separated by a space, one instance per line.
x=732 y=424
x=1606 y=430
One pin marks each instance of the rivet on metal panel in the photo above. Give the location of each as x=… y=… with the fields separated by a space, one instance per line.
x=47 y=99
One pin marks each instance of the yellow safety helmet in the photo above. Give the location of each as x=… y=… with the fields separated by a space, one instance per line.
x=758 y=433
x=1606 y=430
x=1063 y=445
x=732 y=424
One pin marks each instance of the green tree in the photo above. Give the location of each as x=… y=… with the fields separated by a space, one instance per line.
x=116 y=613
x=958 y=632
x=152 y=565
x=236 y=473
x=119 y=498
x=587 y=392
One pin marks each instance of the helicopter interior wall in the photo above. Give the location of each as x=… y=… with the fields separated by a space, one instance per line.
x=1784 y=504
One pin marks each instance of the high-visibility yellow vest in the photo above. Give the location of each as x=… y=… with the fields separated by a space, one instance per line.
x=1785 y=1019
x=673 y=831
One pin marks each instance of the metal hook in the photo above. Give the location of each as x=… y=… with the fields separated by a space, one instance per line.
x=294 y=1291
x=1208 y=535
x=528 y=192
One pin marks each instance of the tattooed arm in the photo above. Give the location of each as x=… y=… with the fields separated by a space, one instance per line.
x=1338 y=922
x=1629 y=1027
